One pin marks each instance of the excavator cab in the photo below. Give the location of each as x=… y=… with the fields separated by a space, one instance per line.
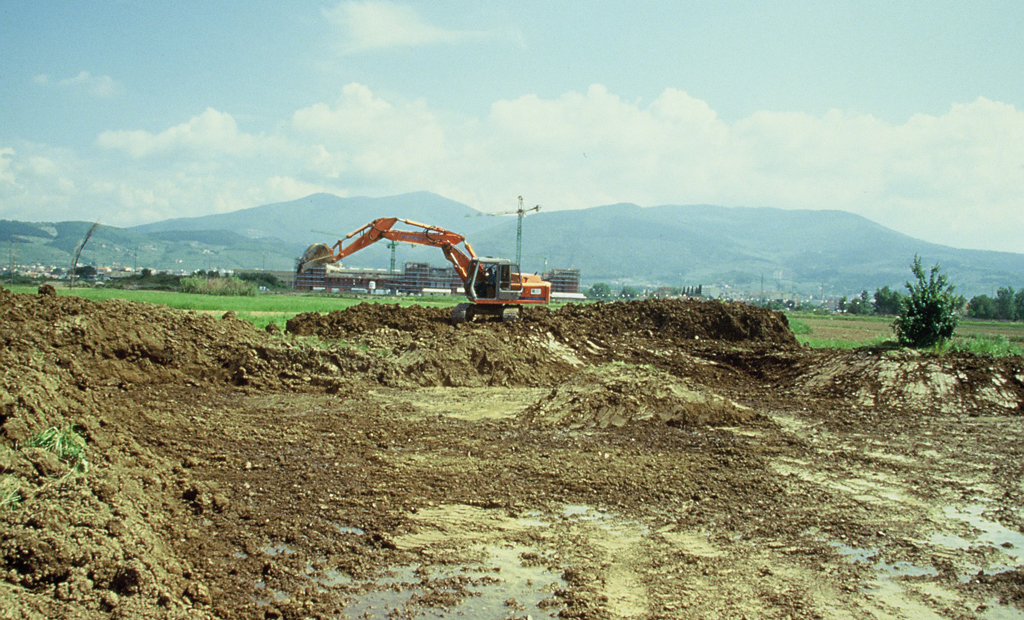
x=493 y=280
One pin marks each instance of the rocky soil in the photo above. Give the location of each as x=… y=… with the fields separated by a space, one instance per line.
x=656 y=459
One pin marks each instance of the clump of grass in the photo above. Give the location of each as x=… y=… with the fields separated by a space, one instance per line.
x=66 y=442
x=217 y=286
x=10 y=498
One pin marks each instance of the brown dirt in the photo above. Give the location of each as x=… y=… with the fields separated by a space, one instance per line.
x=619 y=394
x=656 y=459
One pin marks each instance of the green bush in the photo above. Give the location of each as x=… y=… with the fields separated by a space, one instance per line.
x=264 y=279
x=928 y=315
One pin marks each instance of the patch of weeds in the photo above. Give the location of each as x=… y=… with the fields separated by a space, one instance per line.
x=66 y=442
x=991 y=345
x=10 y=498
x=835 y=343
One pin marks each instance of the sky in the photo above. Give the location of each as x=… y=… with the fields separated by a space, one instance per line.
x=909 y=113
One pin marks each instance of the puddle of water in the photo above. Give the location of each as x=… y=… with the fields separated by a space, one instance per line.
x=993 y=534
x=906 y=569
x=887 y=586
x=582 y=511
x=348 y=529
x=501 y=582
x=278 y=549
x=608 y=520
x=996 y=611
x=857 y=555
x=269 y=596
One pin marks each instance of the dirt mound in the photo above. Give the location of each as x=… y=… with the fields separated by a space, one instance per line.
x=487 y=358
x=426 y=349
x=910 y=380
x=671 y=320
x=59 y=347
x=96 y=531
x=118 y=341
x=620 y=394
x=368 y=318
x=667 y=320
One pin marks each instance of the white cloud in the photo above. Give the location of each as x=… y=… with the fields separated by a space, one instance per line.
x=100 y=86
x=365 y=135
x=210 y=133
x=38 y=183
x=377 y=25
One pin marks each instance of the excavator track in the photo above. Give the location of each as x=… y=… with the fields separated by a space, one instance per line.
x=462 y=313
x=466 y=312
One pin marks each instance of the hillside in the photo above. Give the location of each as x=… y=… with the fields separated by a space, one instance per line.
x=738 y=248
x=798 y=250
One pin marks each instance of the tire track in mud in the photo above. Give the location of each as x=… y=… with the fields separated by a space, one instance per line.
x=621 y=549
x=904 y=490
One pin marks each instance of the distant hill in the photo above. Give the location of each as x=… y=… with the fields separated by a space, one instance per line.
x=294 y=222
x=738 y=248
x=792 y=250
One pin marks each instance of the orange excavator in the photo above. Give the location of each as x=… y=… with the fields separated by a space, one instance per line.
x=493 y=286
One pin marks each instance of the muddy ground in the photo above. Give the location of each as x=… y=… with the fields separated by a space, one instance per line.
x=656 y=459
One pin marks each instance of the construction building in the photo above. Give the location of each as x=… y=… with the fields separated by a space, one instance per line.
x=563 y=280
x=414 y=279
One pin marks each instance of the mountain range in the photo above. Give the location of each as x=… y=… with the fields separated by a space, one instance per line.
x=780 y=252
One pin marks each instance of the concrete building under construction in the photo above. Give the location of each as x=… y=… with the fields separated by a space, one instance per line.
x=414 y=279
x=563 y=280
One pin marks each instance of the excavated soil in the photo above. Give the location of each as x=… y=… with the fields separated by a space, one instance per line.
x=655 y=459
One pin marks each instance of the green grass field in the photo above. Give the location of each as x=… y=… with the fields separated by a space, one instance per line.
x=998 y=338
x=260 y=310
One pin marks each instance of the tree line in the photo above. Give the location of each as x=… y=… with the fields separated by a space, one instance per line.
x=885 y=302
x=1007 y=305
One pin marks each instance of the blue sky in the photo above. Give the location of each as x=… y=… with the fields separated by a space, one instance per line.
x=908 y=113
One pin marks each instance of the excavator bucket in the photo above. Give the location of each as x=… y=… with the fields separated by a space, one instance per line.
x=315 y=255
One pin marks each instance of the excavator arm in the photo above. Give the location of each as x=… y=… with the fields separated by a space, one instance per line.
x=383 y=228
